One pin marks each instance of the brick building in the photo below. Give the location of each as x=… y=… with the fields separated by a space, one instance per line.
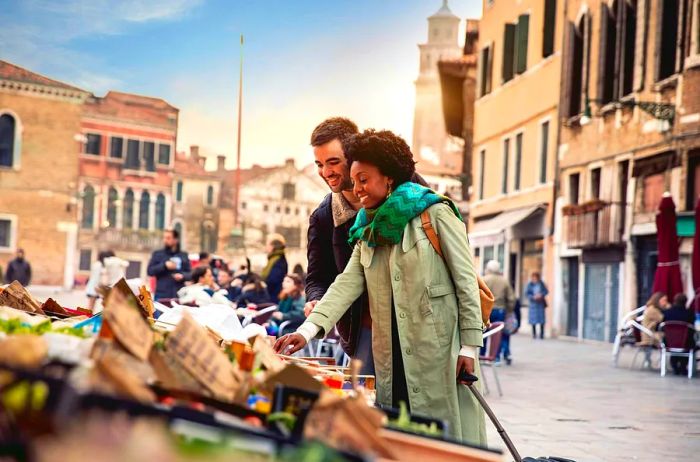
x=630 y=108
x=39 y=122
x=125 y=184
x=515 y=137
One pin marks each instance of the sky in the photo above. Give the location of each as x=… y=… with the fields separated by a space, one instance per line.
x=304 y=60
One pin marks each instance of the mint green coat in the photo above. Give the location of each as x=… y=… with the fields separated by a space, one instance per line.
x=437 y=310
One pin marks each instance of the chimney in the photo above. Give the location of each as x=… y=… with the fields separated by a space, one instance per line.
x=289 y=162
x=220 y=163
x=194 y=153
x=202 y=161
x=470 y=42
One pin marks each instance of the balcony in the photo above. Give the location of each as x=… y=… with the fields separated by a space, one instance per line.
x=135 y=240
x=595 y=224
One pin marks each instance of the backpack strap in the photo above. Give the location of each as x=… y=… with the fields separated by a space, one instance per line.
x=430 y=232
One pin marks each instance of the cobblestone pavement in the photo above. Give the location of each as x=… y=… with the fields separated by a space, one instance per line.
x=563 y=398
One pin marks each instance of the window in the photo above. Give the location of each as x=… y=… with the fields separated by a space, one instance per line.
x=288 y=191
x=550 y=20
x=287 y=210
x=544 y=148
x=502 y=256
x=618 y=35
x=576 y=65
x=178 y=227
x=112 y=197
x=8 y=129
x=484 y=72
x=482 y=165
x=133 y=271
x=160 y=212
x=628 y=47
x=667 y=36
x=693 y=180
x=623 y=169
x=695 y=29
x=6 y=226
x=210 y=195
x=607 y=77
x=515 y=39
x=93 y=144
x=88 y=219
x=243 y=205
x=149 y=156
x=507 y=71
x=144 y=209
x=208 y=237
x=595 y=183
x=128 y=210
x=522 y=33
x=518 y=161
x=574 y=181
x=132 y=155
x=278 y=209
x=266 y=208
x=164 y=154
x=178 y=191
x=117 y=149
x=506 y=155
x=85 y=260
x=488 y=253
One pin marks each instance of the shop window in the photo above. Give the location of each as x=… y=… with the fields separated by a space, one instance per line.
x=116 y=148
x=93 y=144
x=8 y=140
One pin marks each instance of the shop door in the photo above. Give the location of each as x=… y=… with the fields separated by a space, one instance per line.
x=600 y=304
x=570 y=279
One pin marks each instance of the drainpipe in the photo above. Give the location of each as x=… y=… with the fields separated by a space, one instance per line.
x=555 y=187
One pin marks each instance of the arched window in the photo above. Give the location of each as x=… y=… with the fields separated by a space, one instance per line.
x=112 y=207
x=88 y=207
x=178 y=227
x=7 y=140
x=160 y=211
x=178 y=191
x=210 y=195
x=208 y=237
x=128 y=211
x=144 y=206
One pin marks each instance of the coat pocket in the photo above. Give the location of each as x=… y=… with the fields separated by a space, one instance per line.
x=440 y=298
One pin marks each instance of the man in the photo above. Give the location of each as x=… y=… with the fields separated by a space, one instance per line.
x=503 y=305
x=170 y=266
x=225 y=283
x=276 y=269
x=680 y=312
x=19 y=270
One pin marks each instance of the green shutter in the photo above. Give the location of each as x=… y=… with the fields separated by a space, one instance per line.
x=521 y=37
x=550 y=19
x=508 y=51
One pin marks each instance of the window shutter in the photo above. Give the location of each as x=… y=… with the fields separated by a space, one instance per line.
x=570 y=37
x=603 y=51
x=640 y=44
x=683 y=17
x=480 y=74
x=508 y=52
x=522 y=36
x=586 y=56
x=659 y=41
x=619 y=49
x=489 y=68
x=550 y=18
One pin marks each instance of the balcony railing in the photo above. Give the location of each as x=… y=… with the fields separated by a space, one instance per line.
x=131 y=239
x=593 y=224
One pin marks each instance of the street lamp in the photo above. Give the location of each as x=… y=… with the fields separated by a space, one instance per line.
x=664 y=112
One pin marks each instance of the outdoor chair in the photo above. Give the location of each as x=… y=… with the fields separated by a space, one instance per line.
x=627 y=333
x=676 y=343
x=261 y=316
x=288 y=327
x=492 y=343
x=332 y=342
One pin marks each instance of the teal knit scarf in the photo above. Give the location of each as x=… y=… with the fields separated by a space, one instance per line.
x=385 y=224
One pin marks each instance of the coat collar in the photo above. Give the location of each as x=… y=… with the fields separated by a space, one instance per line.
x=342 y=211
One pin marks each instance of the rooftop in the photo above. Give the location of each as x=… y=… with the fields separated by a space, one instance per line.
x=133 y=108
x=444 y=12
x=9 y=71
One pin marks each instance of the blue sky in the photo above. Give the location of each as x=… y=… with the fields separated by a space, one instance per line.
x=304 y=60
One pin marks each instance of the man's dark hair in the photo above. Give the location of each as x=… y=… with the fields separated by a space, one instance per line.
x=680 y=300
x=335 y=128
x=174 y=232
x=198 y=273
x=203 y=255
x=383 y=149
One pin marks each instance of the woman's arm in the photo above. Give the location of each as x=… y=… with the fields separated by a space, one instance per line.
x=458 y=257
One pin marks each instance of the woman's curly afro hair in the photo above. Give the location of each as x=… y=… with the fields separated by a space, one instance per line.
x=383 y=149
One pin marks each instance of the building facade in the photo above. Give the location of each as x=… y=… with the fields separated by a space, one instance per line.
x=515 y=137
x=630 y=132
x=125 y=185
x=436 y=152
x=39 y=123
x=196 y=200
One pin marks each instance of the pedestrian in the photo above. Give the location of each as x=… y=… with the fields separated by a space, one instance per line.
x=652 y=317
x=19 y=270
x=536 y=291
x=170 y=266
x=291 y=305
x=106 y=271
x=425 y=310
x=679 y=312
x=255 y=292
x=276 y=268
x=503 y=307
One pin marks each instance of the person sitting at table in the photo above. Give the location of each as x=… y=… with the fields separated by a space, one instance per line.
x=679 y=312
x=291 y=304
x=425 y=309
x=254 y=292
x=653 y=316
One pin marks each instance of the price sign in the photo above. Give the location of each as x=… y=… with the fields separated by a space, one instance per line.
x=127 y=324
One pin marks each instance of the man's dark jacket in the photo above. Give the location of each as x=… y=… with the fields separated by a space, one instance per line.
x=166 y=285
x=276 y=277
x=19 y=270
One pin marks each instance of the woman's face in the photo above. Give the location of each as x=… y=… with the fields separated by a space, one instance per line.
x=663 y=302
x=369 y=184
x=208 y=278
x=288 y=284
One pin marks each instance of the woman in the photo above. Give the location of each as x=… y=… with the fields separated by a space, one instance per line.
x=291 y=305
x=426 y=317
x=536 y=292
x=203 y=290
x=254 y=292
x=107 y=270
x=276 y=268
x=653 y=316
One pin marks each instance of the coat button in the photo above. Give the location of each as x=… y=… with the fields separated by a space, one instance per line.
x=402 y=315
x=408 y=351
x=416 y=389
x=397 y=277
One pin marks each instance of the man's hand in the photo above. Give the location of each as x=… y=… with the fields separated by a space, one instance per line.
x=170 y=265
x=290 y=344
x=309 y=307
x=178 y=277
x=465 y=364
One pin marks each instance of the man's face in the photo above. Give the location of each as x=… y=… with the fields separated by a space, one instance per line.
x=169 y=240
x=332 y=166
x=20 y=254
x=225 y=278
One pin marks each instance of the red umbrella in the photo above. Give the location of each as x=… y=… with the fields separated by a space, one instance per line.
x=696 y=258
x=667 y=278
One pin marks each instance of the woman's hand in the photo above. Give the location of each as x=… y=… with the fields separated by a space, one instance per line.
x=290 y=344
x=465 y=364
x=309 y=307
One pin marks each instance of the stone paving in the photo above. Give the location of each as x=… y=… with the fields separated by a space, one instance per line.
x=564 y=398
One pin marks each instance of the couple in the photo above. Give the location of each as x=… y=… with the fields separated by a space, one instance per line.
x=422 y=311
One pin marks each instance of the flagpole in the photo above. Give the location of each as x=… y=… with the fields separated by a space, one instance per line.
x=238 y=153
